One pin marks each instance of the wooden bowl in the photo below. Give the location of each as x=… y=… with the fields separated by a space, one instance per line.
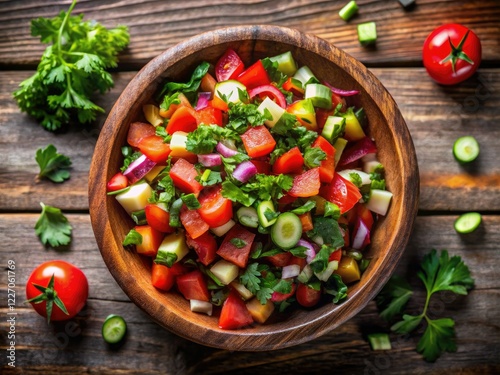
x=386 y=125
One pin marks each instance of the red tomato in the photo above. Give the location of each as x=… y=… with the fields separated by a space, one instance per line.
x=117 y=182
x=327 y=166
x=158 y=218
x=151 y=240
x=154 y=148
x=184 y=119
x=336 y=255
x=163 y=277
x=70 y=286
x=291 y=161
x=138 y=131
x=205 y=247
x=193 y=285
x=341 y=192
x=234 y=313
x=215 y=210
x=258 y=141
x=307 y=296
x=255 y=75
x=280 y=259
x=279 y=297
x=192 y=222
x=262 y=166
x=183 y=174
x=229 y=66
x=451 y=53
x=209 y=115
x=306 y=184
x=231 y=252
x=270 y=91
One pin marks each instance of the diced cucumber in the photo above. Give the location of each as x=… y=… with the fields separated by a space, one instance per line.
x=367 y=33
x=371 y=166
x=305 y=75
x=225 y=271
x=152 y=114
x=327 y=272
x=348 y=10
x=468 y=222
x=242 y=290
x=274 y=109
x=135 y=198
x=286 y=231
x=339 y=147
x=114 y=329
x=286 y=63
x=201 y=306
x=379 y=341
x=320 y=95
x=248 y=216
x=230 y=90
x=261 y=213
x=466 y=149
x=333 y=128
x=223 y=229
x=379 y=201
x=365 y=177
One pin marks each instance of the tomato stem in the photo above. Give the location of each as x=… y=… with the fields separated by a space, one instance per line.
x=49 y=295
x=457 y=53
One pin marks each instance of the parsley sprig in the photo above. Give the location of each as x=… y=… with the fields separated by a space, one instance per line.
x=72 y=68
x=53 y=227
x=438 y=273
x=53 y=165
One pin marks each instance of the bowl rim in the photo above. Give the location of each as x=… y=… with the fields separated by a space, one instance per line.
x=241 y=339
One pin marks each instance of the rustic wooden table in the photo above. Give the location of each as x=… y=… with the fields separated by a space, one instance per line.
x=436 y=116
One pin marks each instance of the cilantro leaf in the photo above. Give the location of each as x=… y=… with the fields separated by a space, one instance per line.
x=52 y=227
x=187 y=88
x=328 y=230
x=313 y=157
x=439 y=336
x=336 y=287
x=52 y=165
x=71 y=70
x=240 y=115
x=393 y=297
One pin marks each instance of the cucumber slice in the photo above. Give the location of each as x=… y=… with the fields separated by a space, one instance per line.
x=468 y=222
x=261 y=212
x=286 y=231
x=248 y=216
x=230 y=89
x=466 y=149
x=320 y=95
x=286 y=63
x=339 y=147
x=274 y=109
x=305 y=75
x=333 y=128
x=379 y=341
x=114 y=329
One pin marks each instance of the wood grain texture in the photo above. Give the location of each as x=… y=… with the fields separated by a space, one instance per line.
x=78 y=348
x=435 y=116
x=155 y=28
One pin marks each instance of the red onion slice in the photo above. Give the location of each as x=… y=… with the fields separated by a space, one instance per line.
x=210 y=160
x=361 y=237
x=139 y=168
x=340 y=91
x=289 y=271
x=245 y=171
x=310 y=252
x=203 y=98
x=225 y=151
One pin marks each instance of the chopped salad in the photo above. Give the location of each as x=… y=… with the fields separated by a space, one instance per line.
x=253 y=188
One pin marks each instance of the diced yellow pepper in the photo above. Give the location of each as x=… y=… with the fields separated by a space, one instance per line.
x=348 y=270
x=260 y=313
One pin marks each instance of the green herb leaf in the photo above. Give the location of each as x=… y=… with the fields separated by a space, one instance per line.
x=439 y=337
x=187 y=88
x=313 y=157
x=52 y=227
x=191 y=201
x=336 y=287
x=328 y=229
x=133 y=237
x=306 y=207
x=52 y=165
x=238 y=242
x=393 y=297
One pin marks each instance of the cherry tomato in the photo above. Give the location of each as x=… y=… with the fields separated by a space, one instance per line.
x=59 y=285
x=451 y=53
x=117 y=182
x=307 y=296
x=229 y=66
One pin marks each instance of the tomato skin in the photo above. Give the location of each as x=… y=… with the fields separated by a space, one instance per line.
x=193 y=285
x=192 y=222
x=158 y=218
x=255 y=75
x=341 y=192
x=233 y=254
x=70 y=283
x=215 y=210
x=229 y=66
x=279 y=297
x=154 y=148
x=280 y=259
x=117 y=182
x=234 y=313
x=183 y=174
x=205 y=247
x=209 y=115
x=163 y=277
x=306 y=184
x=307 y=296
x=137 y=131
x=437 y=47
x=258 y=141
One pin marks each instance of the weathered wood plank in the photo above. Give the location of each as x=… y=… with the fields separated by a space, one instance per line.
x=435 y=115
x=155 y=28
x=62 y=348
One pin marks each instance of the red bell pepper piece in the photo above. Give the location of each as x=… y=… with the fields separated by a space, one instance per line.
x=183 y=119
x=327 y=166
x=163 y=277
x=154 y=148
x=291 y=161
x=258 y=141
x=255 y=75
x=184 y=174
x=158 y=218
x=192 y=222
x=151 y=240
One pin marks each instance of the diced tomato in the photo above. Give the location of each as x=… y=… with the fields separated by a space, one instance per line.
x=151 y=240
x=232 y=253
x=215 y=210
x=154 y=148
x=299 y=261
x=306 y=184
x=286 y=200
x=306 y=220
x=279 y=297
x=208 y=83
x=229 y=66
x=262 y=166
x=163 y=277
x=205 y=247
x=255 y=75
x=183 y=119
x=289 y=85
x=184 y=174
x=341 y=192
x=280 y=259
x=307 y=296
x=258 y=141
x=270 y=91
x=355 y=152
x=158 y=218
x=234 y=313
x=209 y=115
x=193 y=285
x=360 y=210
x=138 y=131
x=117 y=182
x=184 y=101
x=336 y=100
x=192 y=222
x=327 y=166
x=218 y=103
x=321 y=116
x=291 y=161
x=336 y=255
